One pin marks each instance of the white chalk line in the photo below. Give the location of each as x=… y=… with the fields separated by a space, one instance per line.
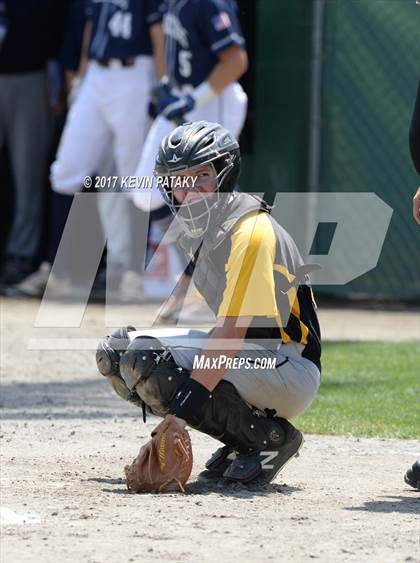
x=10 y=518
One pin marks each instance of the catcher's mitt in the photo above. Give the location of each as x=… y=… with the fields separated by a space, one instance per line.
x=164 y=464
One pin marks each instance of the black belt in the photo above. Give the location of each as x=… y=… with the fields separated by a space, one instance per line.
x=128 y=61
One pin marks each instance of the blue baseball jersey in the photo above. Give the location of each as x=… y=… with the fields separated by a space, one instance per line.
x=73 y=36
x=120 y=28
x=196 y=31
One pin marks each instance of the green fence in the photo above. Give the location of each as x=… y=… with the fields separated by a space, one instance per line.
x=371 y=54
x=368 y=65
x=280 y=110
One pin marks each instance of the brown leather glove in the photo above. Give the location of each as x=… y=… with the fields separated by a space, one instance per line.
x=164 y=464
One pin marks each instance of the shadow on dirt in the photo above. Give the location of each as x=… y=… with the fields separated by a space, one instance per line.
x=197 y=488
x=87 y=398
x=240 y=490
x=105 y=480
x=402 y=504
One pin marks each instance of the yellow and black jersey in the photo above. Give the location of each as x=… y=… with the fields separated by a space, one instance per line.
x=256 y=267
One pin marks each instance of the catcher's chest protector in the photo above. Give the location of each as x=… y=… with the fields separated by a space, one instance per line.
x=208 y=268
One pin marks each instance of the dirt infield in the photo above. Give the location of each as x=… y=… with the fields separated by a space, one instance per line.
x=65 y=438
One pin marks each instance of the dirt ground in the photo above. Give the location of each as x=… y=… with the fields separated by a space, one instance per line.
x=65 y=438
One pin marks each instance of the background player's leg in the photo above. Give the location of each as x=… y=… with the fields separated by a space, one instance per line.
x=125 y=106
x=83 y=141
x=114 y=210
x=159 y=129
x=114 y=204
x=29 y=132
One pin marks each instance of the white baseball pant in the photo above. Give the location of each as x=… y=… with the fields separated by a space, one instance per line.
x=288 y=388
x=110 y=109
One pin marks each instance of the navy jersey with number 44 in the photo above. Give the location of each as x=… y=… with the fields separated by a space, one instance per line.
x=196 y=31
x=120 y=28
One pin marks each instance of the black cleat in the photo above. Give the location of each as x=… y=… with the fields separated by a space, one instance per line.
x=262 y=466
x=245 y=468
x=412 y=476
x=217 y=464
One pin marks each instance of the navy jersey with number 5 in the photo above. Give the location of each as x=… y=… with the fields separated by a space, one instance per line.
x=196 y=31
x=120 y=28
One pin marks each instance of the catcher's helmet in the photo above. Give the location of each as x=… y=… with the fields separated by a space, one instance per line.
x=191 y=146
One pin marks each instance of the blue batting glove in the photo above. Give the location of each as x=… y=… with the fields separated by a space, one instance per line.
x=175 y=107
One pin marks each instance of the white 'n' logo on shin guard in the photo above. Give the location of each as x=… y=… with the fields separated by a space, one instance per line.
x=265 y=464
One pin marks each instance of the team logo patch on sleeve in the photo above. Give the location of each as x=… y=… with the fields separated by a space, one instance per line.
x=221 y=21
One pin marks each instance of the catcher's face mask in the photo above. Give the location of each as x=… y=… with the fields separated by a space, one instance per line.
x=193 y=194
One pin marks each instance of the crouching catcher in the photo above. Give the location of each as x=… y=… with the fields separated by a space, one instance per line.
x=250 y=272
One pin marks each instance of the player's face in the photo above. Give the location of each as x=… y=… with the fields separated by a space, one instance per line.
x=203 y=180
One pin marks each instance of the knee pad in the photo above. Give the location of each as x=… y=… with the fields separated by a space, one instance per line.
x=142 y=356
x=110 y=350
x=150 y=370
